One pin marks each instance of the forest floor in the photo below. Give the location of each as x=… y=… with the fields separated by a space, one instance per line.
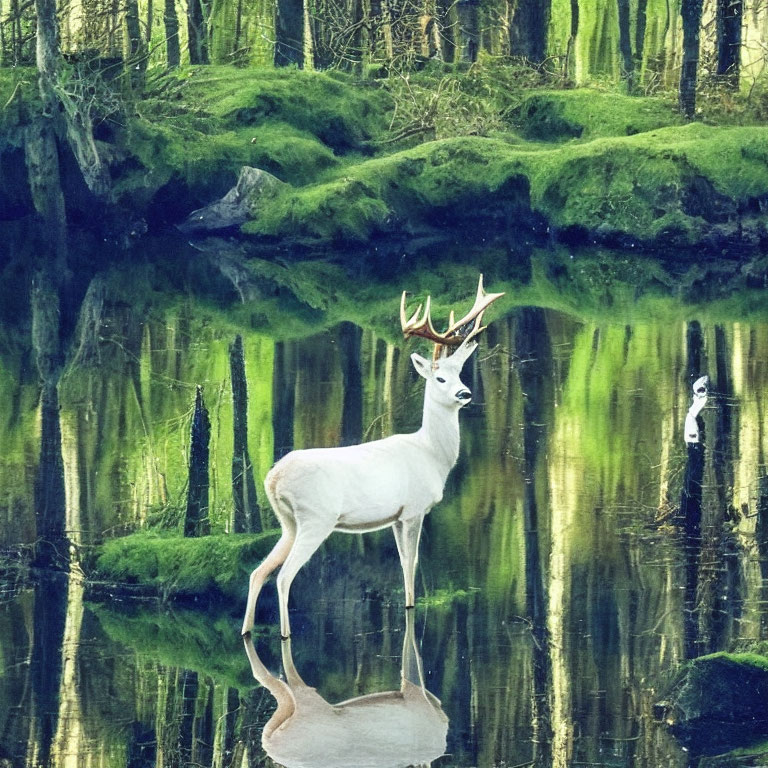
x=477 y=150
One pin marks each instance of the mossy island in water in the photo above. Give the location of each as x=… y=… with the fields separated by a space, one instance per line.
x=364 y=158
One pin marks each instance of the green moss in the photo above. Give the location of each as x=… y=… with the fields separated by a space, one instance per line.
x=342 y=113
x=674 y=180
x=185 y=566
x=19 y=100
x=588 y=113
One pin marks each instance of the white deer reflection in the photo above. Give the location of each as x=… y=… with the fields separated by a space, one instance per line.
x=392 y=729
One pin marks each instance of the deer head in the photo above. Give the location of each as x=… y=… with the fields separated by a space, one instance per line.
x=442 y=373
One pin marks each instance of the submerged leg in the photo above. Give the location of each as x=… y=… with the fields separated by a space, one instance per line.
x=308 y=538
x=407 y=534
x=277 y=556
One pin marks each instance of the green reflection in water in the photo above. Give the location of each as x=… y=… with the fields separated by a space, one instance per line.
x=555 y=556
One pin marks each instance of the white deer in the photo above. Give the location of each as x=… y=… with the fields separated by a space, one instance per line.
x=392 y=482
x=391 y=729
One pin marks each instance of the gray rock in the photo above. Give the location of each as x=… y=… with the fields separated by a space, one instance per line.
x=235 y=208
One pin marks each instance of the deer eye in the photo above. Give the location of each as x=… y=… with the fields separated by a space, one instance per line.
x=441 y=379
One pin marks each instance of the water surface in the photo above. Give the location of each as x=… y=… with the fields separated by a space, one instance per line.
x=559 y=588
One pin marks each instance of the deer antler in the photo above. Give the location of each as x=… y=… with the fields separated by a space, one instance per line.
x=458 y=331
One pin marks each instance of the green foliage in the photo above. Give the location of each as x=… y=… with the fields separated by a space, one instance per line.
x=184 y=566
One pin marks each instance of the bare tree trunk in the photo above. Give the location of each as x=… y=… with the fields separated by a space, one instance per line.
x=625 y=45
x=289 y=33
x=728 y=24
x=690 y=10
x=133 y=45
x=640 y=25
x=196 y=520
x=197 y=32
x=171 y=22
x=528 y=33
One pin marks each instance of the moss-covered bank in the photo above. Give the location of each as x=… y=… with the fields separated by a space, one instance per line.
x=174 y=566
x=588 y=165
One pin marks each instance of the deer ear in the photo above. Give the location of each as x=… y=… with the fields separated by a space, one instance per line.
x=422 y=365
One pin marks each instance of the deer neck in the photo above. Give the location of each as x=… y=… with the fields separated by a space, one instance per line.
x=440 y=430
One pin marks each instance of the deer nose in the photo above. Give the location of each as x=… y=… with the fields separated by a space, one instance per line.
x=464 y=395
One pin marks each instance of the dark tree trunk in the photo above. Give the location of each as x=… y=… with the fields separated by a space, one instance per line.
x=133 y=44
x=289 y=33
x=350 y=339
x=197 y=32
x=728 y=24
x=534 y=348
x=50 y=616
x=528 y=33
x=171 y=23
x=642 y=20
x=469 y=29
x=625 y=45
x=196 y=520
x=246 y=518
x=52 y=546
x=690 y=10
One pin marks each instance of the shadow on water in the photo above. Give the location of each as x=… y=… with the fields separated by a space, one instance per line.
x=581 y=553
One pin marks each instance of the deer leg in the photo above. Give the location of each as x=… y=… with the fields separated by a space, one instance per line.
x=407 y=534
x=308 y=539
x=277 y=556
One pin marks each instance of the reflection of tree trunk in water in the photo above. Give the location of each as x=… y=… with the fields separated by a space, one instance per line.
x=284 y=394
x=690 y=503
x=246 y=518
x=690 y=513
x=187 y=691
x=196 y=520
x=725 y=587
x=350 y=341
x=49 y=621
x=761 y=535
x=533 y=348
x=52 y=548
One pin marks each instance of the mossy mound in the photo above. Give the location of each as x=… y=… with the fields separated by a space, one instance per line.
x=197 y=127
x=587 y=113
x=673 y=184
x=173 y=565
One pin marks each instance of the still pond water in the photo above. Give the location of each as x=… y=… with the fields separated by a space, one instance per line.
x=558 y=589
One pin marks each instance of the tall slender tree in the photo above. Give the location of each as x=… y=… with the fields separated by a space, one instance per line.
x=171 y=23
x=197 y=32
x=690 y=10
x=728 y=20
x=625 y=45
